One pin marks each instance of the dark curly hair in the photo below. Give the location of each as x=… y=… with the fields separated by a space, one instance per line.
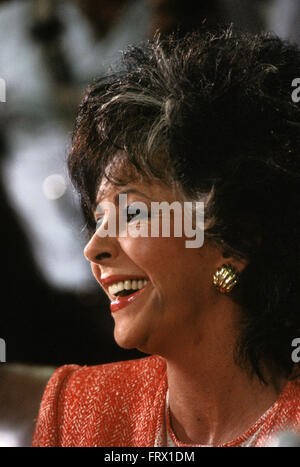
x=214 y=114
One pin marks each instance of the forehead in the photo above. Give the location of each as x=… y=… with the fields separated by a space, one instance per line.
x=106 y=190
x=119 y=172
x=109 y=190
x=122 y=176
x=155 y=191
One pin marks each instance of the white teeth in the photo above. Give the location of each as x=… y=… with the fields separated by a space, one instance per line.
x=127 y=285
x=113 y=289
x=135 y=284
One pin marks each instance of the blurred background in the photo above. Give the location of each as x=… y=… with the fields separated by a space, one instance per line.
x=52 y=311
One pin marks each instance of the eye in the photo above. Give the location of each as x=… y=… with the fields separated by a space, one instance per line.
x=131 y=216
x=99 y=217
x=133 y=211
x=99 y=222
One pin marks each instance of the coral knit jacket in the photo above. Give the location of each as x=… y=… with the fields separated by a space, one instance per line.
x=117 y=404
x=123 y=404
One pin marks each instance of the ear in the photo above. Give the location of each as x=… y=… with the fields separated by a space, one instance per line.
x=238 y=264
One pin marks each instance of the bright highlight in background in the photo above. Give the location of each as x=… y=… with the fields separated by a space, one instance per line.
x=54 y=186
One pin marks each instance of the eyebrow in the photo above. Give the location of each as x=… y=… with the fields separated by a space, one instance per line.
x=129 y=191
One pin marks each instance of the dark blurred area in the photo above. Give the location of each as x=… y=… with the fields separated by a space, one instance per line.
x=52 y=312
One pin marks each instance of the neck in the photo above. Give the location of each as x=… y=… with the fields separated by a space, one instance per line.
x=212 y=400
x=214 y=411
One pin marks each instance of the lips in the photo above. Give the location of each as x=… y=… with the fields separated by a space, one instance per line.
x=115 y=283
x=122 y=302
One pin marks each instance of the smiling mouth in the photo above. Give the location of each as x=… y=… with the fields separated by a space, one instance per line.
x=126 y=287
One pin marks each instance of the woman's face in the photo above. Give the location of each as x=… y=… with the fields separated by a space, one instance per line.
x=177 y=291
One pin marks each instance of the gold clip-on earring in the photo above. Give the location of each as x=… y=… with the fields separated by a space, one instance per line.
x=225 y=278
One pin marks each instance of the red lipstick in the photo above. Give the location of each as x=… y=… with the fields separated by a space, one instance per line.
x=121 y=302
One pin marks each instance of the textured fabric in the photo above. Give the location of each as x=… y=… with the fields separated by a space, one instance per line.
x=123 y=404
x=118 y=404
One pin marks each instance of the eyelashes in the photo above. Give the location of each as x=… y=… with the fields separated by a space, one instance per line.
x=140 y=214
x=131 y=216
x=131 y=211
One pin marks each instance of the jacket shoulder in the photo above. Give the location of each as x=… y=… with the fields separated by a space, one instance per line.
x=75 y=394
x=136 y=372
x=45 y=434
x=291 y=402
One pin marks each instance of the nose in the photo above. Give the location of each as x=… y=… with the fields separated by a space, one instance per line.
x=99 y=249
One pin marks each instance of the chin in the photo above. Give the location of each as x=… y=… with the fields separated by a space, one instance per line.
x=125 y=340
x=130 y=341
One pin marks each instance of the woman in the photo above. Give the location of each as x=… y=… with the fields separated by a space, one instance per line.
x=206 y=119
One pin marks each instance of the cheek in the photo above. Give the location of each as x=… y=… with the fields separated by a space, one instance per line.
x=183 y=272
x=147 y=246
x=96 y=271
x=161 y=255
